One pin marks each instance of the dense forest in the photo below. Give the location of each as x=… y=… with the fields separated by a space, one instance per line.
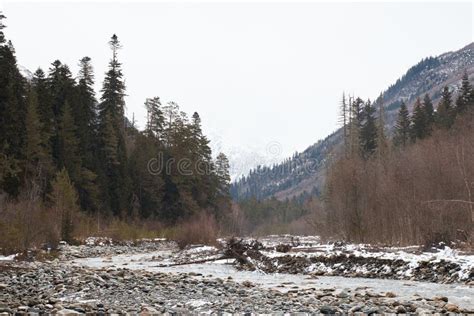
x=66 y=154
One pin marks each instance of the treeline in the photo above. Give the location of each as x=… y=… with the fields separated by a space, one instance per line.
x=414 y=188
x=272 y=216
x=55 y=133
x=263 y=182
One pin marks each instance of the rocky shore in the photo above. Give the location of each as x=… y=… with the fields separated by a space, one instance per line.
x=105 y=277
x=254 y=255
x=56 y=287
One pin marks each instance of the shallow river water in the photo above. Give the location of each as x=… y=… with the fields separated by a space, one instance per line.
x=459 y=294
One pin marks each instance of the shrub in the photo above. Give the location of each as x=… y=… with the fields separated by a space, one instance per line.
x=198 y=229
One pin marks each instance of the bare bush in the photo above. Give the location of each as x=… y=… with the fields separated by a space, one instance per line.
x=198 y=229
x=420 y=194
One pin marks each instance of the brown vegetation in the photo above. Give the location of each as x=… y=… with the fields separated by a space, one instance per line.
x=199 y=229
x=415 y=195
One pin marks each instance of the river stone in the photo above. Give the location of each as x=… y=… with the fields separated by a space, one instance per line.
x=452 y=308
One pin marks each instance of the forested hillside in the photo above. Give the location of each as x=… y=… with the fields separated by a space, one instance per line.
x=306 y=171
x=68 y=154
x=416 y=188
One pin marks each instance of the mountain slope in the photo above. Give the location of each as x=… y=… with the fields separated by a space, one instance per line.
x=305 y=172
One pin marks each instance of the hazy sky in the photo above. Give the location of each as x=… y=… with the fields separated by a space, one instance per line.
x=258 y=73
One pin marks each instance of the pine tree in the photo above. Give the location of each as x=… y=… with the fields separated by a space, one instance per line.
x=444 y=113
x=61 y=87
x=112 y=135
x=113 y=90
x=344 y=118
x=12 y=98
x=368 y=134
x=69 y=157
x=85 y=113
x=429 y=114
x=402 y=128
x=382 y=141
x=155 y=119
x=419 y=128
x=45 y=111
x=355 y=126
x=465 y=97
x=202 y=163
x=38 y=168
x=64 y=199
x=223 y=176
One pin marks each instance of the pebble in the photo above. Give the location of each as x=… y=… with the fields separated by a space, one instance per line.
x=66 y=289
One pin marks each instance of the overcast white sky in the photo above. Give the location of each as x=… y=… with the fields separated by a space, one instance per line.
x=257 y=73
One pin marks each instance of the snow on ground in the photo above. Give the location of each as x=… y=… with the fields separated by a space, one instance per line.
x=458 y=294
x=165 y=260
x=8 y=258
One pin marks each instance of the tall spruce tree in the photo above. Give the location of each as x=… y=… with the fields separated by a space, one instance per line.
x=69 y=154
x=13 y=109
x=61 y=87
x=429 y=113
x=223 y=176
x=85 y=113
x=465 y=98
x=155 y=119
x=382 y=141
x=356 y=108
x=344 y=120
x=402 y=127
x=36 y=156
x=419 y=127
x=112 y=133
x=368 y=134
x=445 y=113
x=45 y=110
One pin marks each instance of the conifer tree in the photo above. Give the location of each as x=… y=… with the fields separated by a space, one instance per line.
x=85 y=113
x=344 y=118
x=382 y=141
x=465 y=97
x=419 y=128
x=355 y=126
x=155 y=118
x=368 y=134
x=45 y=110
x=64 y=199
x=429 y=114
x=223 y=176
x=38 y=166
x=112 y=134
x=61 y=89
x=402 y=127
x=69 y=157
x=444 y=113
x=12 y=98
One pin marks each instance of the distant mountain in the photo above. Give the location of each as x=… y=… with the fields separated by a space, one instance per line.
x=25 y=72
x=305 y=172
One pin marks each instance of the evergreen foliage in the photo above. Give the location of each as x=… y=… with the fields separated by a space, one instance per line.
x=445 y=113
x=402 y=128
x=55 y=125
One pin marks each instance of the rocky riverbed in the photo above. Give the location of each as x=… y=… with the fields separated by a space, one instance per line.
x=58 y=287
x=154 y=276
